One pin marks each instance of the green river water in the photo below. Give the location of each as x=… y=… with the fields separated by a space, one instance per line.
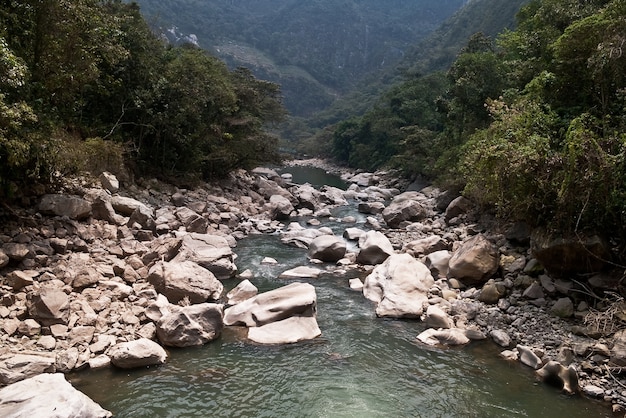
x=361 y=366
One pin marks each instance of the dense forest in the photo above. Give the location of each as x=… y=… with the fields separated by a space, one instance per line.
x=531 y=123
x=528 y=121
x=87 y=85
x=317 y=50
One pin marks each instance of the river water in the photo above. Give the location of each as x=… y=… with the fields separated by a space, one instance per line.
x=361 y=366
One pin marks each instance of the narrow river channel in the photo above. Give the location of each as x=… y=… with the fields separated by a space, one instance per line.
x=362 y=366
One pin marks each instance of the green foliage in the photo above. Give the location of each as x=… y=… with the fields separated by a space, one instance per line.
x=506 y=164
x=23 y=151
x=555 y=154
x=86 y=83
x=388 y=131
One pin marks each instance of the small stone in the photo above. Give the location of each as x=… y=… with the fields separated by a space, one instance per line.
x=356 y=284
x=100 y=362
x=47 y=342
x=593 y=391
x=500 y=337
x=563 y=308
x=29 y=327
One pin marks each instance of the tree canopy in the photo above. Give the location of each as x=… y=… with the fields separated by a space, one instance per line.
x=84 y=79
x=530 y=123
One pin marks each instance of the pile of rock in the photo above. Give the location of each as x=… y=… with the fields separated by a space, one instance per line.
x=105 y=276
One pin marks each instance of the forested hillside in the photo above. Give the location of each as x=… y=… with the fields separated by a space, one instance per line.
x=531 y=123
x=316 y=50
x=86 y=85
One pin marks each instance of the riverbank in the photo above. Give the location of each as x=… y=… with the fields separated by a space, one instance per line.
x=77 y=269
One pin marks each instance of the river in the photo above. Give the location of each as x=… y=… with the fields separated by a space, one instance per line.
x=361 y=366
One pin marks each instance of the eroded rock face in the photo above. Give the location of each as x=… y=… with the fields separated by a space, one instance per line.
x=190 y=325
x=180 y=280
x=47 y=395
x=138 y=353
x=399 y=286
x=475 y=261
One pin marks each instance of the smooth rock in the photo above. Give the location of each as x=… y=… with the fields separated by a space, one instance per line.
x=137 y=353
x=243 y=291
x=49 y=396
x=436 y=337
x=399 y=286
x=328 y=248
x=295 y=299
x=563 y=377
x=287 y=331
x=475 y=261
x=375 y=248
x=301 y=272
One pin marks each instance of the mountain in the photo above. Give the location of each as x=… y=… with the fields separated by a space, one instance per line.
x=316 y=50
x=436 y=52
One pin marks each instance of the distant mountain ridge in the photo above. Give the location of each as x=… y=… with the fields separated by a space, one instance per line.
x=317 y=50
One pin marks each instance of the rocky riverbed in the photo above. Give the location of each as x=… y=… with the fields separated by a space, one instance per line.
x=107 y=275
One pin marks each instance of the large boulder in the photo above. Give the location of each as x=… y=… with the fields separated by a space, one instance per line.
x=564 y=256
x=399 y=286
x=186 y=279
x=457 y=207
x=138 y=353
x=126 y=205
x=425 y=246
x=333 y=195
x=287 y=331
x=16 y=367
x=279 y=208
x=375 y=247
x=50 y=396
x=297 y=236
x=295 y=299
x=435 y=337
x=190 y=325
x=308 y=197
x=62 y=205
x=109 y=182
x=475 y=261
x=192 y=221
x=404 y=207
x=243 y=291
x=49 y=306
x=328 y=248
x=142 y=218
x=210 y=251
x=101 y=208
